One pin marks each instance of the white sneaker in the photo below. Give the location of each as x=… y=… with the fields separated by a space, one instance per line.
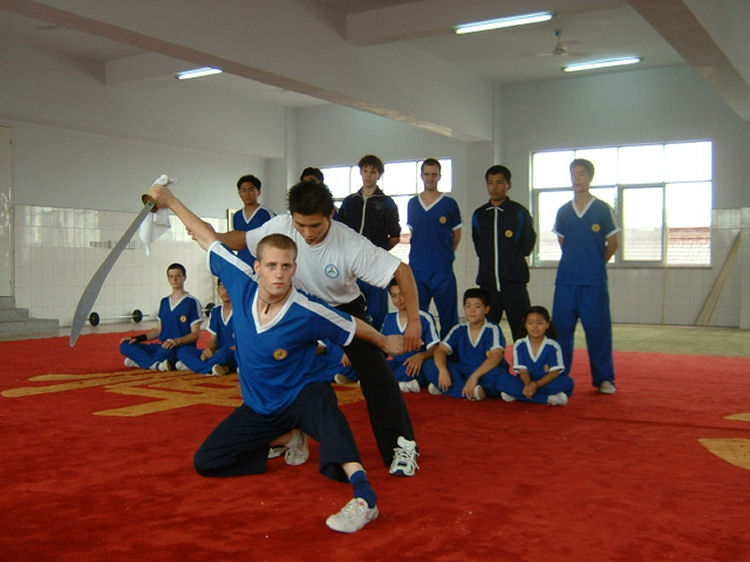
x=507 y=397
x=607 y=387
x=478 y=393
x=342 y=379
x=130 y=363
x=297 y=451
x=274 y=452
x=164 y=366
x=218 y=371
x=432 y=389
x=180 y=366
x=353 y=516
x=404 y=457
x=559 y=399
x=410 y=386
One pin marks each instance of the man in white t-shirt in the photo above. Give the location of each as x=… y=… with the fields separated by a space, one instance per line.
x=331 y=258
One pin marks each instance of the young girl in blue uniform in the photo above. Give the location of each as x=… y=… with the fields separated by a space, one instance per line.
x=477 y=354
x=407 y=367
x=218 y=358
x=538 y=362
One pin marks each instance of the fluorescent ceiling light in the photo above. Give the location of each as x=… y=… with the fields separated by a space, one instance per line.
x=510 y=21
x=601 y=64
x=197 y=73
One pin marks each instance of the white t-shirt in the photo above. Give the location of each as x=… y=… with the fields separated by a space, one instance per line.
x=330 y=270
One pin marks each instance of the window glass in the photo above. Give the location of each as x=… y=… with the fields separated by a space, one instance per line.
x=552 y=169
x=688 y=223
x=605 y=164
x=687 y=161
x=642 y=220
x=399 y=177
x=641 y=164
x=547 y=206
x=337 y=180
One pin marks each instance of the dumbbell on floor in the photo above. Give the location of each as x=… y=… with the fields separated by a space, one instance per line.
x=136 y=316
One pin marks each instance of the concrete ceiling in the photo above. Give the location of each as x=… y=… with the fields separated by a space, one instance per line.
x=135 y=50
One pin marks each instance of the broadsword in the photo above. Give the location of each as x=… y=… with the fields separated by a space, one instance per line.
x=88 y=298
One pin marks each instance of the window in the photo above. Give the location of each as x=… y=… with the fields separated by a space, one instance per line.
x=660 y=192
x=400 y=180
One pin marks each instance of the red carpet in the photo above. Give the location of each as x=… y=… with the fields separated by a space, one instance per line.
x=97 y=465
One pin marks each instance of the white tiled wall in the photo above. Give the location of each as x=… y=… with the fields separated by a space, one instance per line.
x=58 y=250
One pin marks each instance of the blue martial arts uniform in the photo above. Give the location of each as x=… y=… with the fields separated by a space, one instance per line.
x=223 y=329
x=465 y=355
x=431 y=255
x=174 y=322
x=548 y=359
x=581 y=285
x=393 y=326
x=244 y=223
x=283 y=385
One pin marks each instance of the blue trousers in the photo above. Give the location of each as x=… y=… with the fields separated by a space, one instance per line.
x=513 y=385
x=459 y=375
x=191 y=356
x=146 y=354
x=591 y=305
x=441 y=287
x=239 y=444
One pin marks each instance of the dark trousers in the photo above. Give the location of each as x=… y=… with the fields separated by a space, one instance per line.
x=515 y=303
x=239 y=445
x=385 y=403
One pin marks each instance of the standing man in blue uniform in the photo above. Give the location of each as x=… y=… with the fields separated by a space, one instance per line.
x=179 y=325
x=587 y=231
x=252 y=214
x=374 y=215
x=435 y=222
x=503 y=235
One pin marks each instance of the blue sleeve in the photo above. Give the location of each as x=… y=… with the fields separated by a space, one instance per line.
x=456 y=213
x=233 y=271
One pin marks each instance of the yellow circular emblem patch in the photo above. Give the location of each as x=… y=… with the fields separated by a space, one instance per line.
x=443 y=220
x=280 y=354
x=183 y=318
x=509 y=234
x=595 y=227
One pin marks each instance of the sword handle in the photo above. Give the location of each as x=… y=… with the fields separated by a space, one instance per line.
x=147 y=199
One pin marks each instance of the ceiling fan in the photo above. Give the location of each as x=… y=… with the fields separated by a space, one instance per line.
x=561 y=47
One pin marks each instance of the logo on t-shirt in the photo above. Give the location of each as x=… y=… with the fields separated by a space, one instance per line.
x=280 y=354
x=509 y=233
x=183 y=318
x=595 y=227
x=331 y=271
x=443 y=220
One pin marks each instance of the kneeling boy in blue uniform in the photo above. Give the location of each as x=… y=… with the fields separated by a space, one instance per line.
x=477 y=354
x=218 y=358
x=407 y=367
x=277 y=329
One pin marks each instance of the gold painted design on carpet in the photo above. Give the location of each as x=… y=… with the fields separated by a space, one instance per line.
x=165 y=391
x=735 y=450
